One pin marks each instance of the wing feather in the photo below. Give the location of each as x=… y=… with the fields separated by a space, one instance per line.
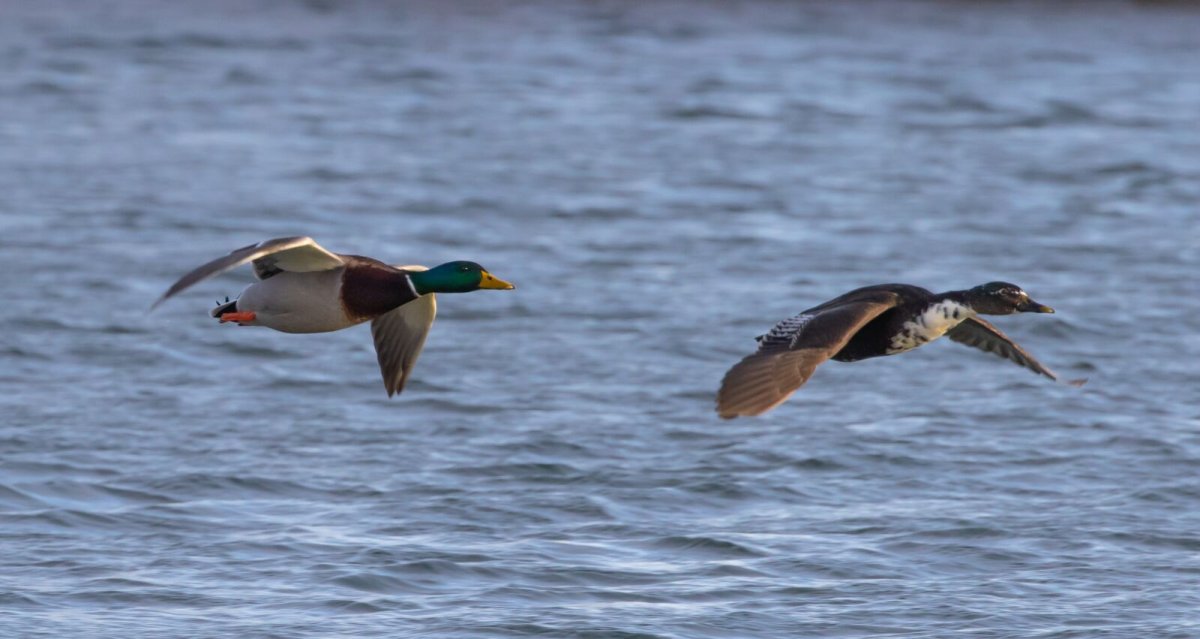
x=983 y=335
x=790 y=352
x=400 y=336
x=297 y=254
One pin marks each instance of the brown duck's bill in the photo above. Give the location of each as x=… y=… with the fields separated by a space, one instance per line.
x=491 y=281
x=1034 y=307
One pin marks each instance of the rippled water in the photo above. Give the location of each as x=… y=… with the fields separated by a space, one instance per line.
x=662 y=182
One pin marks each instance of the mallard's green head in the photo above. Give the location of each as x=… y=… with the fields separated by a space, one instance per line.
x=456 y=277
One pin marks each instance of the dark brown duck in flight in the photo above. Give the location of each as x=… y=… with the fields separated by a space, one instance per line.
x=871 y=322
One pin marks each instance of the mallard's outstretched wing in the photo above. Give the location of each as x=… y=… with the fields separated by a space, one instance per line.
x=299 y=254
x=400 y=336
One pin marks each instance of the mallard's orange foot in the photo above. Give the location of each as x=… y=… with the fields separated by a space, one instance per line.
x=239 y=317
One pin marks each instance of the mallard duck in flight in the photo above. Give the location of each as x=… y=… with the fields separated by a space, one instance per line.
x=304 y=288
x=871 y=322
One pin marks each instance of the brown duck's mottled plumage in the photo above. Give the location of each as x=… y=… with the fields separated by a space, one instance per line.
x=858 y=325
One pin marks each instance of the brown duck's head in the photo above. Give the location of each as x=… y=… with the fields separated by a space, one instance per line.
x=1002 y=298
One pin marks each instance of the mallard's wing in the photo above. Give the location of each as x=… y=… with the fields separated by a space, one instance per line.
x=400 y=335
x=986 y=337
x=792 y=350
x=298 y=254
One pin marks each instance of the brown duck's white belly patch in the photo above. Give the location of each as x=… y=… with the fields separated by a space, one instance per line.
x=929 y=325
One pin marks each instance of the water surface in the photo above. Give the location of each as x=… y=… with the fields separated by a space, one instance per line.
x=662 y=183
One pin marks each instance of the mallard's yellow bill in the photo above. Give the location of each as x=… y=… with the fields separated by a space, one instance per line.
x=491 y=281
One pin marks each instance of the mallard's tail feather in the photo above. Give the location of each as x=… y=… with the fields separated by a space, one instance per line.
x=224 y=307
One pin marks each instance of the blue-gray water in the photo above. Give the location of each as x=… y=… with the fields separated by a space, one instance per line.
x=662 y=182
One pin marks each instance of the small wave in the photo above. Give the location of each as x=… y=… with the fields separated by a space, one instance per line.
x=1058 y=113
x=708 y=546
x=199 y=485
x=964 y=531
x=816 y=463
x=19 y=352
x=84 y=496
x=710 y=112
x=244 y=77
x=209 y=41
x=379 y=584
x=402 y=76
x=326 y=174
x=548 y=448
x=1127 y=168
x=434 y=572
x=13 y=499
x=67 y=519
x=595 y=213
x=1189 y=543
x=357 y=606
x=735 y=569
x=456 y=406
x=719 y=489
x=46 y=87
x=526 y=471
x=951 y=104
x=148 y=597
x=9 y=600
x=1060 y=55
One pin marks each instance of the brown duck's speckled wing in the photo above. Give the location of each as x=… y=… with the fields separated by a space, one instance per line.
x=986 y=337
x=400 y=336
x=792 y=350
x=297 y=254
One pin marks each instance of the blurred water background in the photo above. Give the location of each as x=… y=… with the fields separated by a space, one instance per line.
x=662 y=181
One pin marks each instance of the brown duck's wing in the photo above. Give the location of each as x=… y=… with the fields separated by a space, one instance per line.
x=986 y=337
x=792 y=350
x=903 y=293
x=400 y=336
x=297 y=254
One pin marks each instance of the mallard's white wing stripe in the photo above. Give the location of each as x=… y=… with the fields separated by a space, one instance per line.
x=400 y=336
x=298 y=254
